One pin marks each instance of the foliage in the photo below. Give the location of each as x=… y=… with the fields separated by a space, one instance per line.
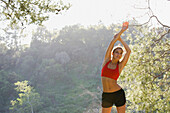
x=7 y=91
x=147 y=73
x=28 y=100
x=64 y=68
x=25 y=12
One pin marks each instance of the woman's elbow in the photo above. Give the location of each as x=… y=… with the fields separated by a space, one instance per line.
x=129 y=51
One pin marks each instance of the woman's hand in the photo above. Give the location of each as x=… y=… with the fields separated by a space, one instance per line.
x=125 y=26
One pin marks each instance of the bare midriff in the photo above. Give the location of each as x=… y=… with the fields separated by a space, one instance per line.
x=110 y=85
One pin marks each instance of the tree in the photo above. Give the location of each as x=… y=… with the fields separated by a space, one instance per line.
x=25 y=12
x=28 y=99
x=147 y=73
x=151 y=15
x=7 y=91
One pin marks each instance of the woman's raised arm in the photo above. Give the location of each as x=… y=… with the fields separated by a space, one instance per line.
x=126 y=57
x=128 y=51
x=116 y=38
x=110 y=47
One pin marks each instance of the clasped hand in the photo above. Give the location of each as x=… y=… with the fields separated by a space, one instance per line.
x=124 y=28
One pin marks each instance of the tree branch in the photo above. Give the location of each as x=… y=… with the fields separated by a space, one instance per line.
x=150 y=7
x=149 y=21
x=4 y=2
x=152 y=17
x=163 y=36
x=160 y=22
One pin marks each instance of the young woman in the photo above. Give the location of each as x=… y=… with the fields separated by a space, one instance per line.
x=111 y=69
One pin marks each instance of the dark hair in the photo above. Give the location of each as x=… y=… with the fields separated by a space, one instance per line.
x=117 y=47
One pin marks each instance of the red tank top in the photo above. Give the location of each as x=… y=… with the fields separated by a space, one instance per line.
x=110 y=73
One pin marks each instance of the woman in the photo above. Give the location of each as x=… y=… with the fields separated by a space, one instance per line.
x=111 y=68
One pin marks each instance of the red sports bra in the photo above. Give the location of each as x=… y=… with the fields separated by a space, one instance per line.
x=110 y=73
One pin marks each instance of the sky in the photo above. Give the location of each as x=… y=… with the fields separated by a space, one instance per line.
x=91 y=12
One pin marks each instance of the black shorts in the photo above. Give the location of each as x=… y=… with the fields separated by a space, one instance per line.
x=118 y=98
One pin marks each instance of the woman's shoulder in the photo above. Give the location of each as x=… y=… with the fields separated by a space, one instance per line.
x=105 y=62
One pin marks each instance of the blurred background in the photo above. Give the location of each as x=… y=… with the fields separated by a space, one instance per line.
x=51 y=54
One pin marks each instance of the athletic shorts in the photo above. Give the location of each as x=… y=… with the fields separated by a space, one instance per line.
x=118 y=98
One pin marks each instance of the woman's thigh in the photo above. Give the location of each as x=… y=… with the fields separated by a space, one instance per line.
x=106 y=110
x=121 y=109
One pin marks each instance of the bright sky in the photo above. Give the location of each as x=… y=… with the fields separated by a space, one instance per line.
x=90 y=12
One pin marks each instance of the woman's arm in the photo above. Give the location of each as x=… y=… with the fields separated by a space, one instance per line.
x=109 y=49
x=126 y=57
x=116 y=37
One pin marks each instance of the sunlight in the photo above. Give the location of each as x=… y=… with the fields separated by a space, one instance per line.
x=92 y=12
x=67 y=65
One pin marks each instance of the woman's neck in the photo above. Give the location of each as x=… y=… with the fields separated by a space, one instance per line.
x=114 y=61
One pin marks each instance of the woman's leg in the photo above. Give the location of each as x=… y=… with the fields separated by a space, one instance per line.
x=121 y=109
x=106 y=110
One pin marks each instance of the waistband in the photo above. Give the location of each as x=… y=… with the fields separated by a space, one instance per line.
x=114 y=91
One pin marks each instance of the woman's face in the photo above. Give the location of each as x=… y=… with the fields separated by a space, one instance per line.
x=117 y=54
